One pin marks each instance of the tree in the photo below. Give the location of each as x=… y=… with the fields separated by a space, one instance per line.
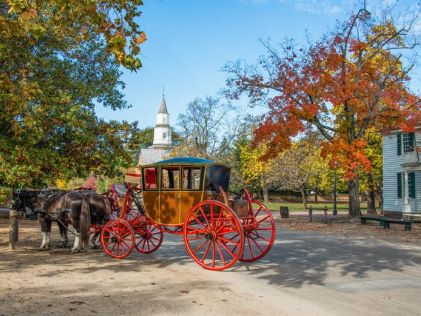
x=208 y=128
x=254 y=171
x=294 y=168
x=351 y=80
x=372 y=180
x=58 y=60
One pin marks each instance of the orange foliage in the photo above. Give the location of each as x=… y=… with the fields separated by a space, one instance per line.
x=342 y=87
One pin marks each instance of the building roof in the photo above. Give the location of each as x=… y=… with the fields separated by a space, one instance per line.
x=163 y=106
x=152 y=155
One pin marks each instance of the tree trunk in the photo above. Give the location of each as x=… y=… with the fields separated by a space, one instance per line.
x=354 y=198
x=316 y=195
x=379 y=194
x=265 y=192
x=335 y=209
x=303 y=197
x=371 y=195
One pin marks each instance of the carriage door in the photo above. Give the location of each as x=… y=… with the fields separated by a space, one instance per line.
x=192 y=189
x=170 y=195
x=151 y=192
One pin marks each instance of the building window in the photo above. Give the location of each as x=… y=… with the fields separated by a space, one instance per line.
x=411 y=185
x=164 y=135
x=400 y=186
x=408 y=142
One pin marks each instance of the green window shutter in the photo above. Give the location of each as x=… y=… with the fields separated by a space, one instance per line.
x=412 y=141
x=411 y=184
x=399 y=185
x=399 y=135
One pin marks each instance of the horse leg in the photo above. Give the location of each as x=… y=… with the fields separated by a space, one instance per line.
x=49 y=221
x=76 y=245
x=94 y=243
x=45 y=224
x=63 y=233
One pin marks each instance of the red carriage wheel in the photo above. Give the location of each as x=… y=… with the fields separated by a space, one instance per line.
x=213 y=235
x=117 y=238
x=148 y=237
x=259 y=232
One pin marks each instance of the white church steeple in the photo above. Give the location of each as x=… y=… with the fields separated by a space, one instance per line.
x=162 y=131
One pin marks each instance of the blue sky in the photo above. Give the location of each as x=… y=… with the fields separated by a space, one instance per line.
x=190 y=40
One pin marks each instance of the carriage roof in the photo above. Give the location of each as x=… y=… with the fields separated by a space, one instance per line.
x=184 y=161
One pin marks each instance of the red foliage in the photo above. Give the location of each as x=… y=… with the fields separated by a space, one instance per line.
x=342 y=90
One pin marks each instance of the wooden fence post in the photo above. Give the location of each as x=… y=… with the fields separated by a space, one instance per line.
x=310 y=213
x=13 y=228
x=325 y=210
x=284 y=211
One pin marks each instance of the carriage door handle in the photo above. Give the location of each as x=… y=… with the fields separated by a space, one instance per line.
x=178 y=195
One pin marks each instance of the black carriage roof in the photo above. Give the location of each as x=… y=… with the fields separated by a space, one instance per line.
x=184 y=161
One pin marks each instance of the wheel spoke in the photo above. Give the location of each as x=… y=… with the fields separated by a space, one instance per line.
x=200 y=231
x=263 y=228
x=200 y=246
x=205 y=253
x=265 y=218
x=257 y=244
x=197 y=237
x=251 y=249
x=220 y=252
x=227 y=249
x=199 y=222
x=229 y=240
x=258 y=211
x=153 y=244
x=203 y=214
x=213 y=253
x=211 y=214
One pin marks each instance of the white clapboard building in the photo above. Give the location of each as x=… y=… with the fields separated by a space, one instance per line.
x=402 y=173
x=162 y=141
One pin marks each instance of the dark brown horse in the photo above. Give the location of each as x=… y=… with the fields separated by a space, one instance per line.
x=64 y=208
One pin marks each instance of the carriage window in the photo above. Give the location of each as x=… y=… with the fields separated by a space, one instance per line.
x=170 y=179
x=191 y=178
x=217 y=176
x=150 y=178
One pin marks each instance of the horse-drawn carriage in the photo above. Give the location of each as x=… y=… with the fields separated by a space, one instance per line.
x=189 y=196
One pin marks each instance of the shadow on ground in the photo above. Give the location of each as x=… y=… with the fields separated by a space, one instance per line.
x=297 y=258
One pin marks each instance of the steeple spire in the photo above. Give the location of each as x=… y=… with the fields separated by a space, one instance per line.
x=163 y=106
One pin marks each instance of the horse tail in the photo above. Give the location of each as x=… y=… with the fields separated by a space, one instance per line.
x=85 y=221
x=107 y=210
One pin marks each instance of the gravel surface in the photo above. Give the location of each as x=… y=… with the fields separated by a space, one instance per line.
x=306 y=273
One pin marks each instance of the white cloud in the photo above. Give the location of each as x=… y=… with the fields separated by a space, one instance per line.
x=327 y=7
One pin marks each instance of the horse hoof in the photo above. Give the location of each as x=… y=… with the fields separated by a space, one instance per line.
x=75 y=250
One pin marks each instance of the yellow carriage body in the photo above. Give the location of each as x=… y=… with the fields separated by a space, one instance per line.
x=172 y=187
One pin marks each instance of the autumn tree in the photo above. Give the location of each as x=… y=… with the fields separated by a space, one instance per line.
x=254 y=171
x=372 y=180
x=58 y=61
x=353 y=79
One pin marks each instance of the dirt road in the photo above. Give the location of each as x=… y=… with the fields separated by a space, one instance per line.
x=306 y=273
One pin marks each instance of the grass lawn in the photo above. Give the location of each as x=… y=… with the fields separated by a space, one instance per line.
x=274 y=206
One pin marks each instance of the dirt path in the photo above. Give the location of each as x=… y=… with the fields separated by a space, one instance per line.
x=305 y=273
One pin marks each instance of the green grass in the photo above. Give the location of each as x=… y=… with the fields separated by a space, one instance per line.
x=293 y=207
